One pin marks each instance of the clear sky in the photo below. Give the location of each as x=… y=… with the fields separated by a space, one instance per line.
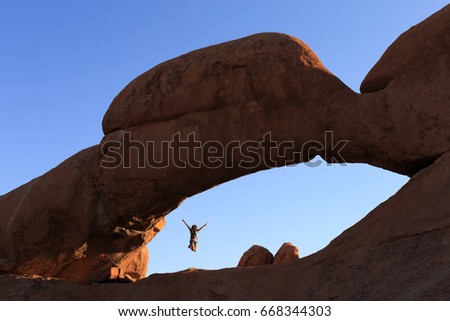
x=62 y=63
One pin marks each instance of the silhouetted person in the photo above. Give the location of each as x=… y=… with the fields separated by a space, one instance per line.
x=194 y=232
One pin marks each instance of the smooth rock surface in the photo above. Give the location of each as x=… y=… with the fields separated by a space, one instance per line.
x=256 y=256
x=287 y=252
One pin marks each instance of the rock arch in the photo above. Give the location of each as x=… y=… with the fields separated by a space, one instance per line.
x=80 y=219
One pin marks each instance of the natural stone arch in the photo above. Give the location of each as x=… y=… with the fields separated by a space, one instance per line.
x=81 y=218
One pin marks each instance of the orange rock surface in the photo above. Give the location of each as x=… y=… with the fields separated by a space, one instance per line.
x=256 y=256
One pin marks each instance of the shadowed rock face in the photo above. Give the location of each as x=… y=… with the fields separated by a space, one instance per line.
x=81 y=218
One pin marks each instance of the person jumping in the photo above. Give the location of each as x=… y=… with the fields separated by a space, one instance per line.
x=194 y=233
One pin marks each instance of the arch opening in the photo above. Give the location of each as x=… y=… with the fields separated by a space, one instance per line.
x=307 y=206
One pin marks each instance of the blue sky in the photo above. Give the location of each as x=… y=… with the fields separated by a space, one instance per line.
x=62 y=63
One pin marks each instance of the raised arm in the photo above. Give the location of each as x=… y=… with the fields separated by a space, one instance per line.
x=202 y=226
x=189 y=228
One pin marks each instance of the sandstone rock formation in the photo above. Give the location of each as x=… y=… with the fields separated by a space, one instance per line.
x=82 y=218
x=256 y=256
x=287 y=252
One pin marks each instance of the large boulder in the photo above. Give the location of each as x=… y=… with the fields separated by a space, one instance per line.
x=286 y=253
x=256 y=256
